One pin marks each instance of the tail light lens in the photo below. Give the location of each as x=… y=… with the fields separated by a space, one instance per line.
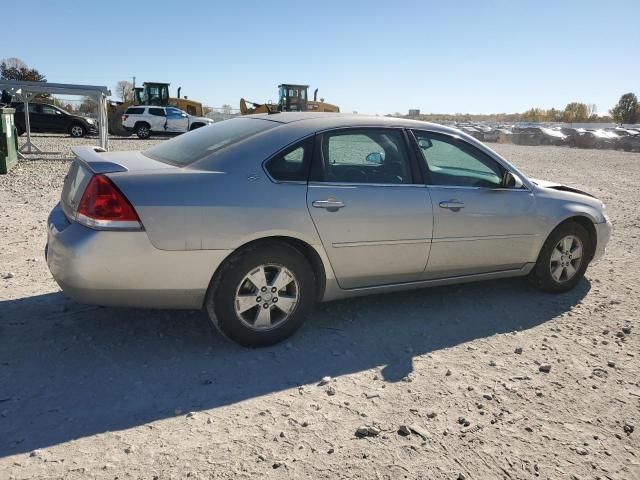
x=103 y=206
x=124 y=117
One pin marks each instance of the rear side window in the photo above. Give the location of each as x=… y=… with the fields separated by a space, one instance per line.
x=158 y=112
x=134 y=111
x=202 y=142
x=292 y=164
x=373 y=155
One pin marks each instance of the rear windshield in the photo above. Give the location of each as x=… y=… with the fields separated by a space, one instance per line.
x=202 y=142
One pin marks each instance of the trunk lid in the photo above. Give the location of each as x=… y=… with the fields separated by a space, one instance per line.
x=91 y=161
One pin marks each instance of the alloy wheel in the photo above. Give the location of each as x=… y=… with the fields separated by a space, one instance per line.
x=76 y=131
x=566 y=258
x=266 y=297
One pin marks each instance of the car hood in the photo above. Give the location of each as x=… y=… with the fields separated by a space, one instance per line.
x=559 y=186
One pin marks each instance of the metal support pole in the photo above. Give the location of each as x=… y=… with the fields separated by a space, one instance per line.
x=29 y=146
x=103 y=120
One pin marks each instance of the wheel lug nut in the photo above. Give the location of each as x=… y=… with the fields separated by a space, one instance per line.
x=275 y=300
x=258 y=299
x=274 y=289
x=266 y=305
x=263 y=289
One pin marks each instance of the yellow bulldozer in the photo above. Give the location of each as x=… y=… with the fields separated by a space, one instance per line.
x=292 y=98
x=151 y=93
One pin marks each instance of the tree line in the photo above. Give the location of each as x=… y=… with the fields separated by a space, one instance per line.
x=627 y=110
x=15 y=69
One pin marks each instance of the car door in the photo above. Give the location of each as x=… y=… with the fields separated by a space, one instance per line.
x=157 y=119
x=52 y=119
x=177 y=120
x=37 y=121
x=480 y=225
x=371 y=211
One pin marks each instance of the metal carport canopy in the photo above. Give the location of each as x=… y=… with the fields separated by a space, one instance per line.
x=25 y=90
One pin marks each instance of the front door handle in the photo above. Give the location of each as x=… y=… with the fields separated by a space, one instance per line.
x=453 y=205
x=331 y=204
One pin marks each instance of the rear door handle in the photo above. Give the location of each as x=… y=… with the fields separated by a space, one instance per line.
x=330 y=204
x=454 y=205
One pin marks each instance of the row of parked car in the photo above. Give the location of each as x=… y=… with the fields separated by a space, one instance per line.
x=617 y=138
x=141 y=120
x=145 y=121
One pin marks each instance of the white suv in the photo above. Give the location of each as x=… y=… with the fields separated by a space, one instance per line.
x=145 y=120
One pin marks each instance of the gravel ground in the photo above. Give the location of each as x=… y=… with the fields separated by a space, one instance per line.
x=441 y=383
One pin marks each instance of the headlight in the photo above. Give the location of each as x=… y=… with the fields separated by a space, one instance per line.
x=90 y=120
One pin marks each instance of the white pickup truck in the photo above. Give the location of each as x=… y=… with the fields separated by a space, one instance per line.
x=146 y=120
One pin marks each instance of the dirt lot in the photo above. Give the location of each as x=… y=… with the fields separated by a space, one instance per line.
x=91 y=392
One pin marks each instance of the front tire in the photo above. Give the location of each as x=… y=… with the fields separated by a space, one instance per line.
x=563 y=259
x=262 y=294
x=77 y=131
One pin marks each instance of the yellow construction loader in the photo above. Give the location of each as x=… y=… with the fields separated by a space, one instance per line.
x=151 y=93
x=293 y=98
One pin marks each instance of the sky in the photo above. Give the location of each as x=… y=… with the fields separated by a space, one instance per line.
x=374 y=57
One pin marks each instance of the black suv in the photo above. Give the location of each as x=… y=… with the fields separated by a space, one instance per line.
x=47 y=118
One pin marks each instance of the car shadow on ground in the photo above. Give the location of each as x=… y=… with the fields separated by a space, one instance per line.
x=69 y=370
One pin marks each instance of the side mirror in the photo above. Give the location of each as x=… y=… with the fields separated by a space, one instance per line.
x=511 y=180
x=375 y=157
x=424 y=144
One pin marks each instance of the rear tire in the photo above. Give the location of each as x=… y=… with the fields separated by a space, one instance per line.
x=559 y=269
x=143 y=130
x=256 y=314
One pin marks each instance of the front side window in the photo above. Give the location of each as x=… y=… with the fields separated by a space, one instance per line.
x=292 y=164
x=454 y=162
x=47 y=110
x=175 y=113
x=364 y=156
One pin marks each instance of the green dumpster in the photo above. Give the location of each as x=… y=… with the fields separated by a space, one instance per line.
x=8 y=140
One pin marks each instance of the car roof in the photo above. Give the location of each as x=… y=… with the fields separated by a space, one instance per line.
x=318 y=121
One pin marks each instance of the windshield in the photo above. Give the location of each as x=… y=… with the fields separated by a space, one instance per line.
x=202 y=142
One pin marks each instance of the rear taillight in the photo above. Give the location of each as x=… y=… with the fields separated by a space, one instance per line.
x=124 y=117
x=103 y=206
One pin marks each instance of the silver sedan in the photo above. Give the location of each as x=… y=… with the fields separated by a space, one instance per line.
x=256 y=218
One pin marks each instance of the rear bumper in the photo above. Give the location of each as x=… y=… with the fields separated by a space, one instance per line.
x=603 y=233
x=124 y=269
